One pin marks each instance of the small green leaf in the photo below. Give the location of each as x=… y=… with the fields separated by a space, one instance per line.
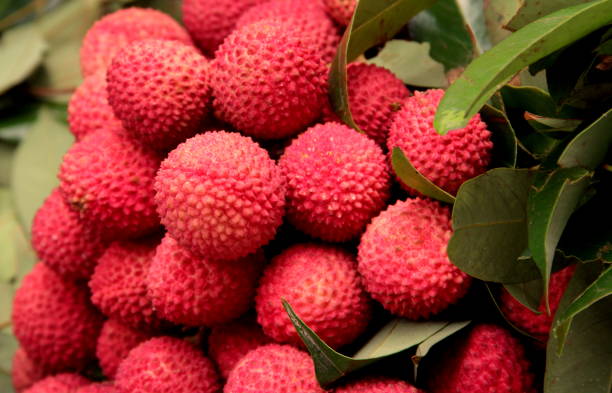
x=413 y=179
x=22 y=49
x=534 y=100
x=504 y=140
x=531 y=10
x=489 y=72
x=588 y=149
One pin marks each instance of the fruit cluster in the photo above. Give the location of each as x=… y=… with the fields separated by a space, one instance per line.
x=210 y=178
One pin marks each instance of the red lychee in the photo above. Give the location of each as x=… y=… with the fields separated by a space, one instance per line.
x=340 y=10
x=377 y=385
x=60 y=383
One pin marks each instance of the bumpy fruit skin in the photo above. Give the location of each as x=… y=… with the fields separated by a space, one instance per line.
x=88 y=109
x=54 y=321
x=160 y=91
x=287 y=92
x=60 y=383
x=100 y=387
x=378 y=385
x=166 y=364
x=307 y=16
x=25 y=372
x=403 y=261
x=538 y=325
x=210 y=21
x=322 y=285
x=375 y=95
x=116 y=340
x=488 y=360
x=274 y=368
x=220 y=195
x=340 y=10
x=109 y=181
x=118 y=285
x=337 y=180
x=229 y=343
x=61 y=239
x=111 y=33
x=446 y=160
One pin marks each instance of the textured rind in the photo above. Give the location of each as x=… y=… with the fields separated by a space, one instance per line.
x=63 y=241
x=538 y=325
x=166 y=364
x=118 y=285
x=229 y=343
x=337 y=180
x=307 y=16
x=446 y=160
x=378 y=385
x=210 y=21
x=274 y=368
x=488 y=360
x=25 y=372
x=60 y=383
x=88 y=109
x=160 y=90
x=114 y=31
x=109 y=181
x=195 y=291
x=286 y=93
x=99 y=387
x=375 y=95
x=116 y=340
x=403 y=261
x=54 y=321
x=220 y=195
x=322 y=285
x=340 y=10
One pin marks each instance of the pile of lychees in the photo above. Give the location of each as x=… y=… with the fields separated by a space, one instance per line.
x=198 y=147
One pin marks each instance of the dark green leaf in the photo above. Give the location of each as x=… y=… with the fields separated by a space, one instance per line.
x=21 y=49
x=502 y=135
x=535 y=101
x=588 y=149
x=531 y=10
x=527 y=293
x=497 y=13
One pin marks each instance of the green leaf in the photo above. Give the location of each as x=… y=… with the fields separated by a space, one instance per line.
x=410 y=62
x=498 y=307
x=472 y=12
x=490 y=227
x=497 y=13
x=489 y=72
x=534 y=100
x=527 y=293
x=584 y=365
x=588 y=149
x=502 y=135
x=413 y=179
x=531 y=10
x=22 y=49
x=551 y=202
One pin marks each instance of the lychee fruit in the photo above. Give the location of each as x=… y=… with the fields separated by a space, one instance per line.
x=54 y=321
x=322 y=285
x=375 y=95
x=166 y=364
x=538 y=325
x=286 y=93
x=114 y=31
x=229 y=343
x=341 y=10
x=88 y=109
x=63 y=241
x=337 y=180
x=446 y=160
x=60 y=383
x=220 y=195
x=118 y=285
x=403 y=260
x=377 y=385
x=99 y=387
x=274 y=368
x=160 y=91
x=210 y=21
x=109 y=181
x=25 y=372
x=489 y=359
x=116 y=340
x=307 y=16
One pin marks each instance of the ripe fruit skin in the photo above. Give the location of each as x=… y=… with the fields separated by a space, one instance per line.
x=114 y=31
x=166 y=364
x=220 y=195
x=210 y=21
x=274 y=368
x=24 y=371
x=538 y=325
x=59 y=383
x=337 y=180
x=61 y=239
x=229 y=343
x=307 y=16
x=447 y=160
x=116 y=340
x=375 y=95
x=99 y=387
x=88 y=109
x=403 y=261
x=340 y=10
x=378 y=385
x=488 y=360
x=287 y=92
x=109 y=181
x=54 y=321
x=160 y=91
x=321 y=283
